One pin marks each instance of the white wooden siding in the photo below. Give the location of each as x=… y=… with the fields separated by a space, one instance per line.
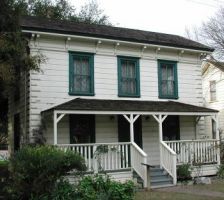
x=214 y=74
x=106 y=129
x=187 y=128
x=150 y=138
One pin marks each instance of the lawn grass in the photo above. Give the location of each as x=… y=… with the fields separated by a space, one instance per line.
x=201 y=190
x=216 y=186
x=156 y=195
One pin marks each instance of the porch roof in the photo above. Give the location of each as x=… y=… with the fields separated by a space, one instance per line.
x=80 y=104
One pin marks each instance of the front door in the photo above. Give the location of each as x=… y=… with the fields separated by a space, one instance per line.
x=82 y=129
x=171 y=128
x=124 y=130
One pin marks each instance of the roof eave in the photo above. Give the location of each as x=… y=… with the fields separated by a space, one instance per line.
x=26 y=29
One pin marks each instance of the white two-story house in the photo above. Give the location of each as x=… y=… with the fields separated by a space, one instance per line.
x=133 y=96
x=213 y=84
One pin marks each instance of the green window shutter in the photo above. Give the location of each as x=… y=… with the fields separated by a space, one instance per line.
x=167 y=79
x=81 y=74
x=128 y=77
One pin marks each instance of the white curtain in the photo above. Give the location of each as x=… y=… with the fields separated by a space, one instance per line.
x=81 y=75
x=128 y=74
x=167 y=80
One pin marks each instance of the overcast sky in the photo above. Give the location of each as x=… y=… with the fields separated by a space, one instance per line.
x=168 y=16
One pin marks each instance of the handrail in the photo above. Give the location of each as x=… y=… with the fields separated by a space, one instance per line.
x=139 y=149
x=166 y=146
x=138 y=157
x=168 y=160
x=198 y=140
x=93 y=144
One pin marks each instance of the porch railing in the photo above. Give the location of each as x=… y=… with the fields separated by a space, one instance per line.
x=111 y=156
x=103 y=156
x=195 y=151
x=168 y=160
x=139 y=157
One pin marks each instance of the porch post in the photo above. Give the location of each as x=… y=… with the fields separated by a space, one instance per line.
x=217 y=137
x=56 y=120
x=55 y=129
x=131 y=120
x=131 y=128
x=160 y=128
x=160 y=120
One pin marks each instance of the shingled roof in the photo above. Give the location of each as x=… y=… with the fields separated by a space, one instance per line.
x=109 y=32
x=129 y=105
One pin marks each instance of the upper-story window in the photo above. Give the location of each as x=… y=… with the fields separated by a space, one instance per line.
x=81 y=77
x=212 y=90
x=128 y=77
x=167 y=75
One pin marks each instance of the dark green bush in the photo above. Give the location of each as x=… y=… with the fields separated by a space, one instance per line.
x=220 y=172
x=63 y=190
x=100 y=187
x=184 y=172
x=35 y=170
x=4 y=177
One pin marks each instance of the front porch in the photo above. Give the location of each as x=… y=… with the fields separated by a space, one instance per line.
x=109 y=152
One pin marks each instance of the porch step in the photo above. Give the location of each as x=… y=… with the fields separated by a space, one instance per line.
x=159 y=178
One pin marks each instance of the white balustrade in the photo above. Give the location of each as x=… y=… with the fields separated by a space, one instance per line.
x=168 y=160
x=111 y=156
x=138 y=159
x=195 y=151
x=102 y=156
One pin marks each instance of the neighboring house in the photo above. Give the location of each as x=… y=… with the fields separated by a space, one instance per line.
x=131 y=97
x=213 y=85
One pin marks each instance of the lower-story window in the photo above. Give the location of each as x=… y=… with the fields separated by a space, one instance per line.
x=82 y=129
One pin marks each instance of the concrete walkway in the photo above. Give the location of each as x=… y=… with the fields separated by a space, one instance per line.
x=191 y=190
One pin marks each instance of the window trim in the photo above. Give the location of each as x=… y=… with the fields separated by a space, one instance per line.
x=120 y=93
x=175 y=95
x=71 y=72
x=213 y=91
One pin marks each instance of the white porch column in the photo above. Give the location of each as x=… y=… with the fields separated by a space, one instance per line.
x=131 y=120
x=216 y=120
x=131 y=128
x=56 y=120
x=160 y=120
x=55 y=129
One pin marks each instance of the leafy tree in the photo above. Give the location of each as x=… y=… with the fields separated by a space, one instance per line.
x=15 y=57
x=91 y=13
x=63 y=10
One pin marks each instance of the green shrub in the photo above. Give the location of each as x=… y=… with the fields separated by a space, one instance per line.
x=4 y=177
x=63 y=190
x=35 y=170
x=220 y=172
x=100 y=187
x=184 y=172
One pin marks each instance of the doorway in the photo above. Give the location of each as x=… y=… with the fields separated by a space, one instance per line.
x=82 y=129
x=171 y=128
x=124 y=130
